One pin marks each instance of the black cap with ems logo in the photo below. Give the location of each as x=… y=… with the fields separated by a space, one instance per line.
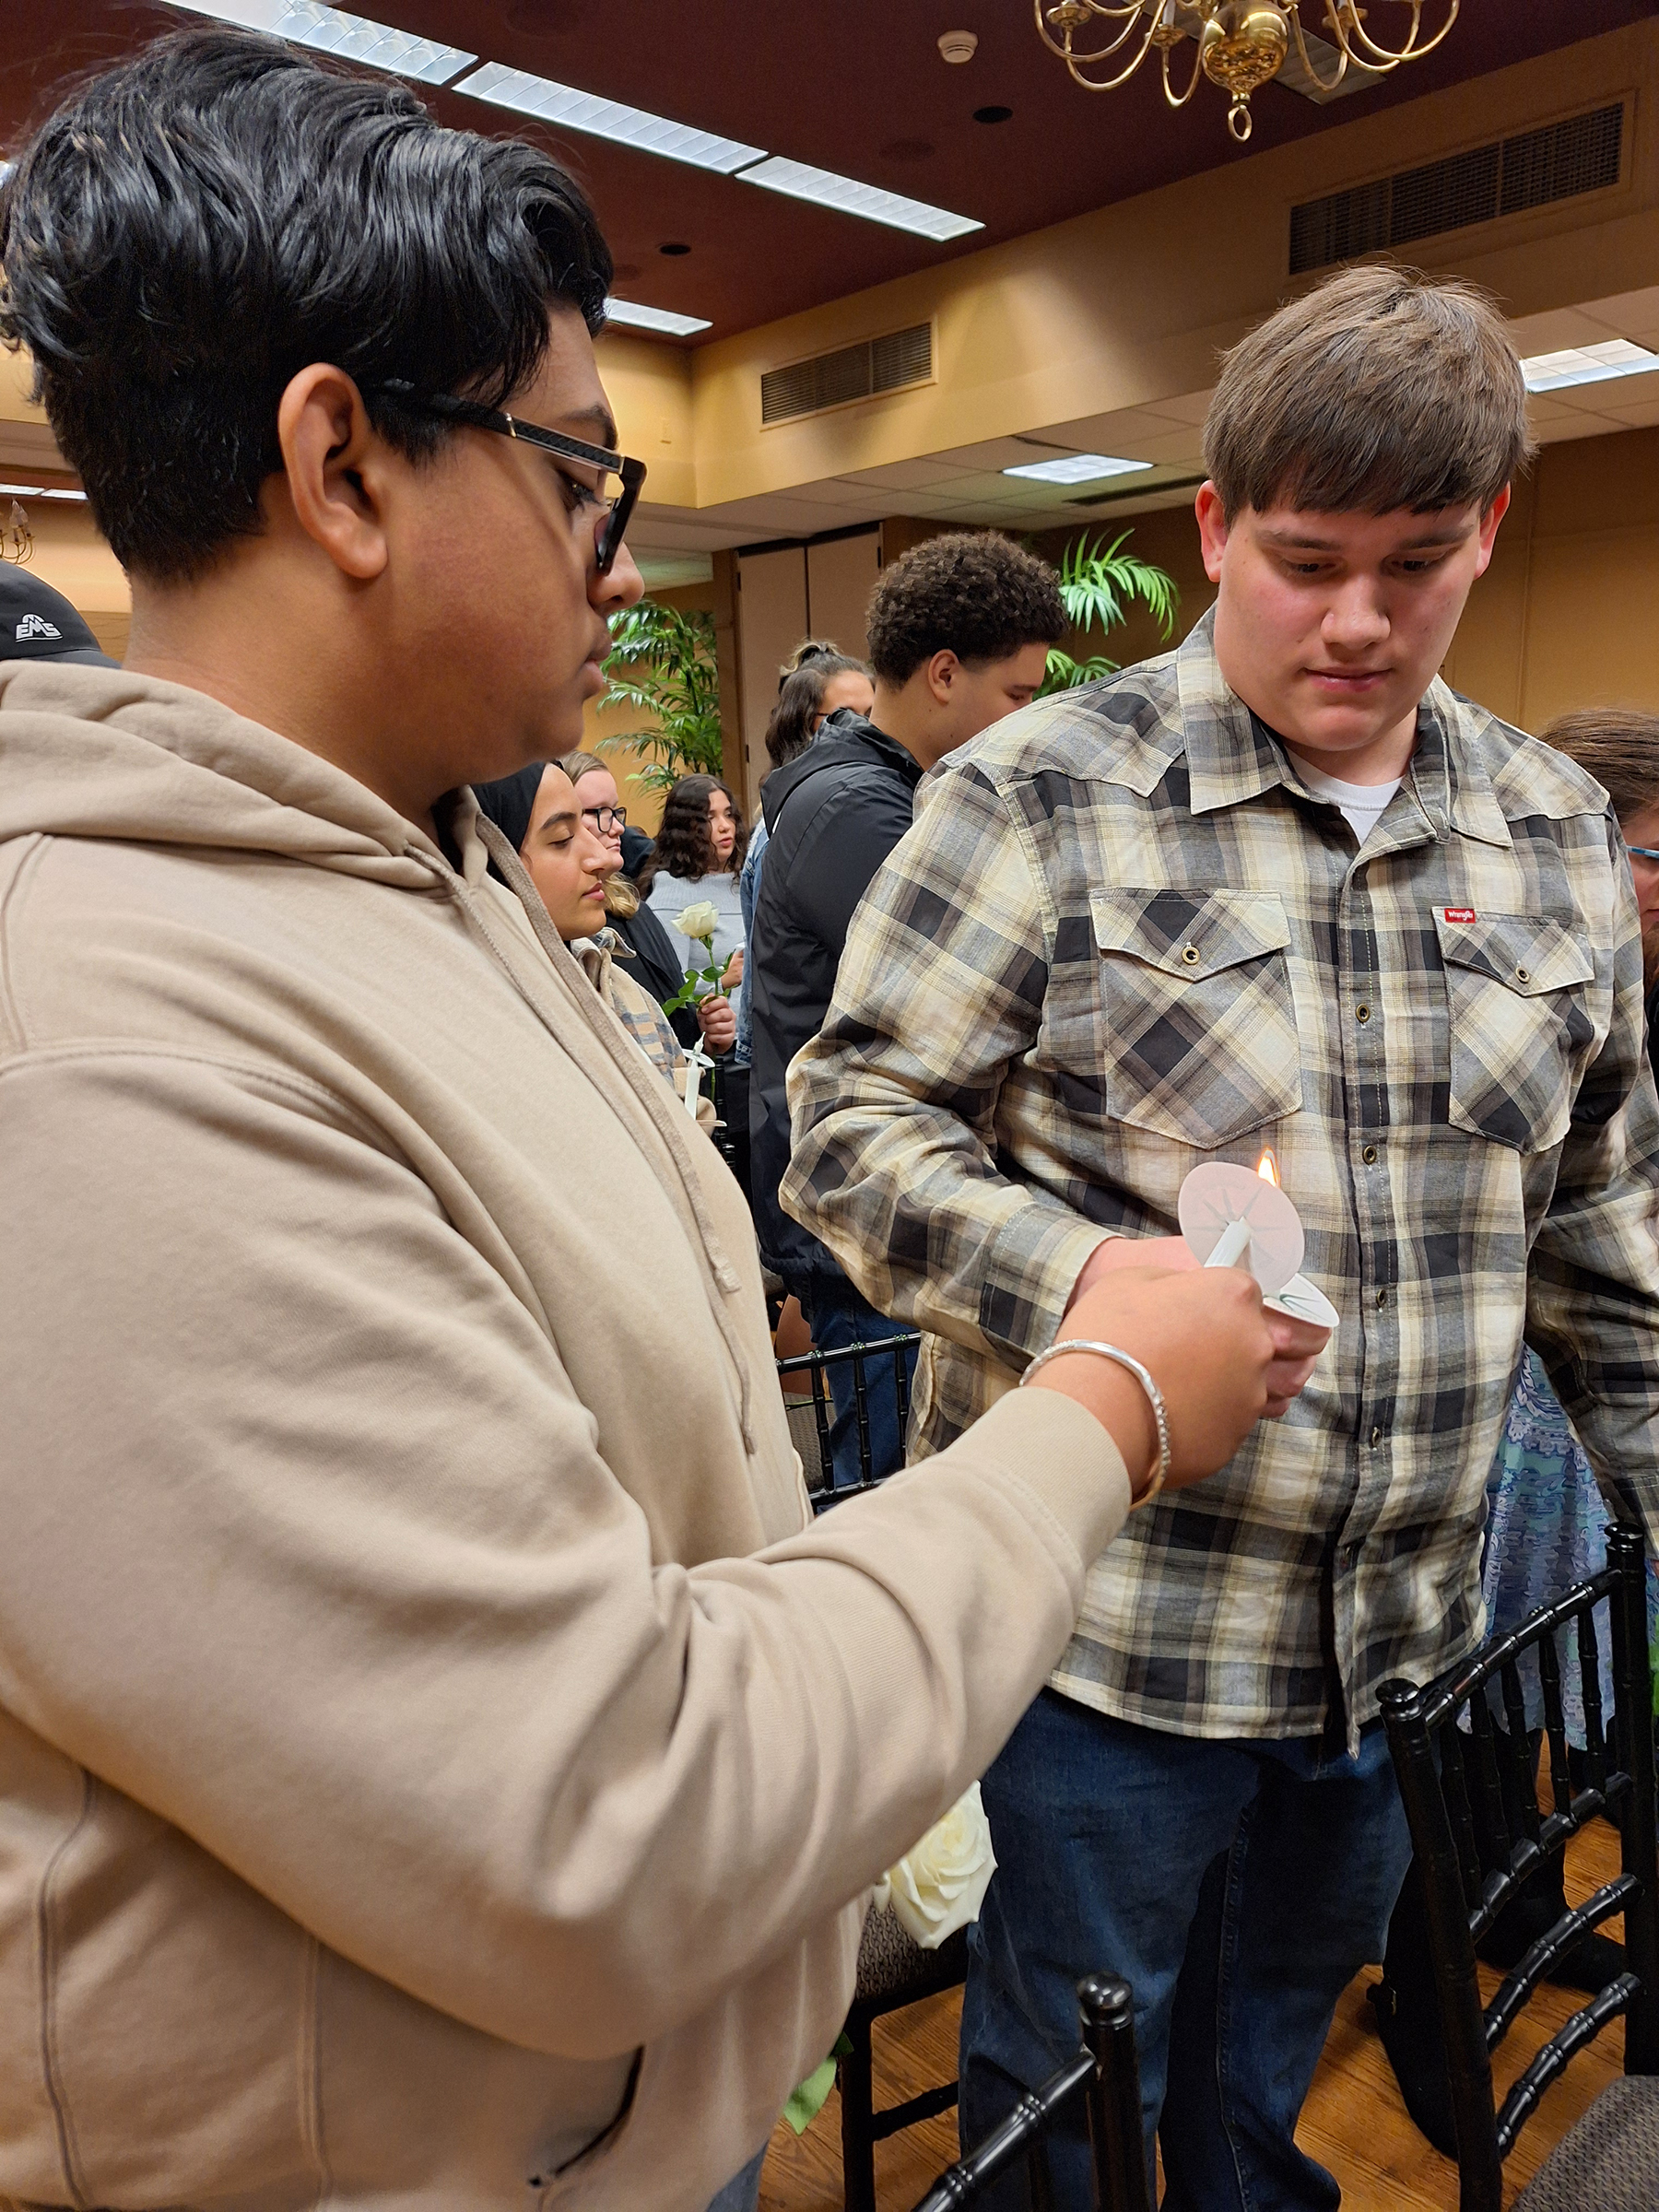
x=39 y=623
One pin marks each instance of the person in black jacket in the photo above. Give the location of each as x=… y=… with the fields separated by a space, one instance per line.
x=959 y=631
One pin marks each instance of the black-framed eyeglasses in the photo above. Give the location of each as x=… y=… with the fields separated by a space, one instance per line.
x=606 y=818
x=479 y=417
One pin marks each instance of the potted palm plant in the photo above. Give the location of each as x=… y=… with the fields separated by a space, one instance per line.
x=1098 y=582
x=661 y=664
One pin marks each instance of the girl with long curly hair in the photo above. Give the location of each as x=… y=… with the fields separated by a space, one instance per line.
x=699 y=858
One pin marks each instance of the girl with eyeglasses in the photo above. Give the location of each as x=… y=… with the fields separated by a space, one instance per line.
x=655 y=955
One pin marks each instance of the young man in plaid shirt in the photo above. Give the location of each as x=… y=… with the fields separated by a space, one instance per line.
x=1281 y=887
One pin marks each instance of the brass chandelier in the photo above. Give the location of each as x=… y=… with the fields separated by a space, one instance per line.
x=1241 y=43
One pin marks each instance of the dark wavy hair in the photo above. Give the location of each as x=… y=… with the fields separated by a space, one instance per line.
x=967 y=592
x=683 y=847
x=196 y=225
x=789 y=732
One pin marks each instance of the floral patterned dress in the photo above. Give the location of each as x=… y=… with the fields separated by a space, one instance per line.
x=1546 y=1518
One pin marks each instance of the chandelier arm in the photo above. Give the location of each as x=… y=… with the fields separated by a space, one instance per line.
x=1110 y=84
x=1307 y=62
x=1129 y=15
x=1178 y=100
x=1383 y=57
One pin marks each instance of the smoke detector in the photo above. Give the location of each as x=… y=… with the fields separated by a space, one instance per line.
x=958 y=45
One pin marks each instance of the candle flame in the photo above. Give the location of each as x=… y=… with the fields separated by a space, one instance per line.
x=1267 y=1167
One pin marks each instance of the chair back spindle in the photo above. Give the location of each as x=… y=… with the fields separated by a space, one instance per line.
x=883 y=1364
x=1470 y=1790
x=1105 y=2074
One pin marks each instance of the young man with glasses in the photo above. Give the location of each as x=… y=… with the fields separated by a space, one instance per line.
x=437 y=1766
x=1281 y=889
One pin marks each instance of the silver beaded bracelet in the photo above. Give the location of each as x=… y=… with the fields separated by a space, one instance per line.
x=1154 y=1398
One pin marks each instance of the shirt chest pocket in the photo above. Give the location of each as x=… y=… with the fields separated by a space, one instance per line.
x=1520 y=1029
x=1198 y=1022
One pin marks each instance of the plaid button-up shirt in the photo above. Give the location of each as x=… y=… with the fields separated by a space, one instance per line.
x=1124 y=937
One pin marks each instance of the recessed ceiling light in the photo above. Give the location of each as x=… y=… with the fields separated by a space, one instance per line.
x=636 y=317
x=563 y=104
x=1587 y=364
x=800 y=181
x=332 y=30
x=1075 y=469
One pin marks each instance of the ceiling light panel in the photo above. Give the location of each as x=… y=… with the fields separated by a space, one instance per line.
x=574 y=111
x=1587 y=365
x=800 y=181
x=1076 y=468
x=332 y=30
x=629 y=313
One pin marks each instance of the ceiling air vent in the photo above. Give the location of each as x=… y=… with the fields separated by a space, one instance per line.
x=1531 y=170
x=829 y=379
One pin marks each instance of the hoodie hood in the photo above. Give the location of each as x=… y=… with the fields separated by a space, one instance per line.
x=106 y=753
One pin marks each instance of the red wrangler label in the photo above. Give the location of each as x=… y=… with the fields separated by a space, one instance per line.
x=1458 y=913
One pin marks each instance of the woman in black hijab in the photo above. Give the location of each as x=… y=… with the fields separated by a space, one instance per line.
x=509 y=803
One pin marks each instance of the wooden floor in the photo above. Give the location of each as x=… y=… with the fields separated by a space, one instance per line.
x=1354 y=2121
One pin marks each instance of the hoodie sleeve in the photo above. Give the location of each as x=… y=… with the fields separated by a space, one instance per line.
x=310 y=1549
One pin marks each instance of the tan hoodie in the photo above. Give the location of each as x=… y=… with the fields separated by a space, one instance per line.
x=411 y=1794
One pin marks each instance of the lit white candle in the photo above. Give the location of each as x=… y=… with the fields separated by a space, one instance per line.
x=1230 y=1216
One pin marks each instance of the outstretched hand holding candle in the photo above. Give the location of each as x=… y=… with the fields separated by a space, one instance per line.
x=1234 y=1225
x=1206 y=1341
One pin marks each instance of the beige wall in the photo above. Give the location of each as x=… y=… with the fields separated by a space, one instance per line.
x=1129 y=305
x=1567 y=613
x=648 y=387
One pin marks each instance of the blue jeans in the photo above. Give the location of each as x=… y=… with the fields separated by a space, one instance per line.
x=837 y=1319
x=1237 y=1885
x=742 y=2193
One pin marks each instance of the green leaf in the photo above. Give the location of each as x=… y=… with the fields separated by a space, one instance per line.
x=1097 y=582
x=661 y=663
x=807 y=2101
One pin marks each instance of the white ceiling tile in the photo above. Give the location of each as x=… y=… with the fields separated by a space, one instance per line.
x=1628 y=314
x=1578 y=426
x=1174 y=448
x=1552 y=333
x=1189 y=407
x=1640 y=414
x=904 y=476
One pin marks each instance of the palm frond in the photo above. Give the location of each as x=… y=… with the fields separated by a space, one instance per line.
x=1098 y=583
x=1064 y=674
x=661 y=663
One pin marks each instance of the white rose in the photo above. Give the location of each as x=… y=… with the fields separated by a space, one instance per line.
x=700 y=920
x=939 y=1885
